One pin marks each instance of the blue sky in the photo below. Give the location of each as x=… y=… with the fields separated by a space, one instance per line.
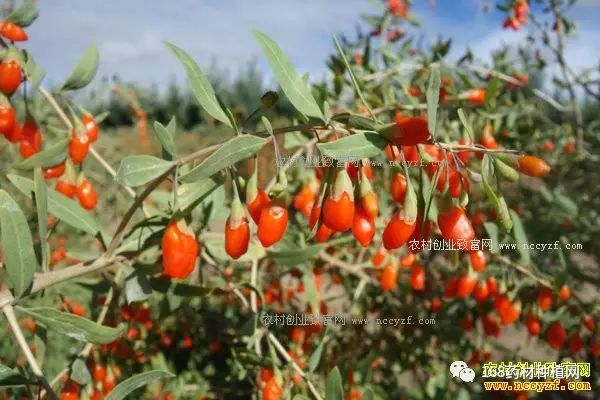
x=130 y=33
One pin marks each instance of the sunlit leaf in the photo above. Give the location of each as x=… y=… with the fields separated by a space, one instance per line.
x=297 y=91
x=203 y=90
x=17 y=244
x=84 y=71
x=73 y=326
x=138 y=170
x=129 y=385
x=237 y=149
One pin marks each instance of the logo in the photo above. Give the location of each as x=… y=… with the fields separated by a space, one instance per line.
x=461 y=370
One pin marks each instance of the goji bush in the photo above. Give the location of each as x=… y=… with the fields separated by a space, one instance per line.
x=190 y=273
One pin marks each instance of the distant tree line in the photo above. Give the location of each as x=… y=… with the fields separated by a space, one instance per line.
x=244 y=91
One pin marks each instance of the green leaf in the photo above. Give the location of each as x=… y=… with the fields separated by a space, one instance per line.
x=136 y=239
x=203 y=90
x=24 y=15
x=294 y=139
x=492 y=91
x=334 y=389
x=296 y=90
x=237 y=149
x=84 y=71
x=80 y=372
x=53 y=155
x=216 y=248
x=165 y=137
x=358 y=122
x=492 y=231
x=311 y=291
x=354 y=147
x=466 y=123
x=293 y=257
x=352 y=76
x=74 y=326
x=135 y=382
x=521 y=238
x=138 y=170
x=368 y=394
x=41 y=206
x=433 y=97
x=505 y=170
x=565 y=203
x=503 y=215
x=63 y=208
x=190 y=194
x=19 y=256
x=10 y=377
x=34 y=73
x=315 y=357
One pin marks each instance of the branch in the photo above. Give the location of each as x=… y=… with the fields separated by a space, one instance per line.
x=279 y=347
x=345 y=266
x=9 y=312
x=559 y=53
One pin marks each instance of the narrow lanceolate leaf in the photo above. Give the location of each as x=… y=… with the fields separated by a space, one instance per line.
x=135 y=382
x=296 y=90
x=24 y=15
x=521 y=238
x=10 y=377
x=19 y=257
x=41 y=206
x=84 y=71
x=165 y=137
x=354 y=147
x=315 y=357
x=63 y=208
x=311 y=291
x=357 y=88
x=190 y=194
x=334 y=389
x=294 y=256
x=52 y=155
x=433 y=97
x=466 y=123
x=203 y=90
x=33 y=71
x=492 y=232
x=139 y=170
x=237 y=149
x=73 y=326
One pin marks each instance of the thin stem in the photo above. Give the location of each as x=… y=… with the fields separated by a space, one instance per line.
x=131 y=211
x=9 y=312
x=253 y=301
x=560 y=57
x=281 y=350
